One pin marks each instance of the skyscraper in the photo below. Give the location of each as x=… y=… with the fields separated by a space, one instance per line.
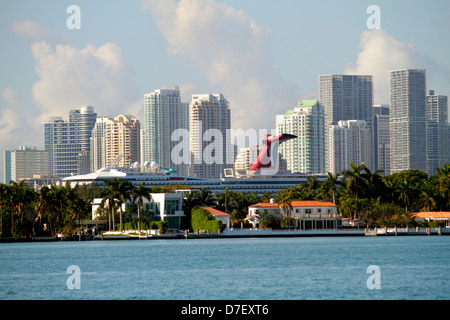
x=209 y=129
x=306 y=153
x=68 y=142
x=115 y=141
x=349 y=142
x=381 y=139
x=346 y=97
x=163 y=114
x=98 y=143
x=437 y=123
x=25 y=162
x=407 y=120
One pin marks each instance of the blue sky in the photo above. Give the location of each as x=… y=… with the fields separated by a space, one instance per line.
x=263 y=55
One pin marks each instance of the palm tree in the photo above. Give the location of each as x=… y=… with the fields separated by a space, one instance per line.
x=332 y=183
x=108 y=197
x=140 y=193
x=355 y=182
x=21 y=195
x=312 y=185
x=263 y=217
x=61 y=194
x=267 y=196
x=44 y=205
x=429 y=195
x=443 y=176
x=284 y=200
x=123 y=193
x=375 y=186
x=3 y=191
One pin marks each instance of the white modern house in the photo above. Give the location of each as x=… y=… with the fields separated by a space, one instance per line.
x=308 y=215
x=168 y=206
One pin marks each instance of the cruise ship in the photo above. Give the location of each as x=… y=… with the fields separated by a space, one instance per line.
x=262 y=177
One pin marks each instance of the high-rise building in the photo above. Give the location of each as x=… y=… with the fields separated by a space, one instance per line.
x=448 y=142
x=381 y=139
x=23 y=163
x=163 y=114
x=209 y=129
x=115 y=142
x=346 y=97
x=98 y=143
x=349 y=142
x=437 y=126
x=306 y=153
x=242 y=161
x=407 y=120
x=68 y=142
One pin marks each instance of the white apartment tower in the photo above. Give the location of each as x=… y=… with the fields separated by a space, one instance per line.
x=437 y=126
x=98 y=143
x=68 y=142
x=210 y=124
x=163 y=114
x=346 y=97
x=115 y=142
x=349 y=142
x=407 y=120
x=306 y=153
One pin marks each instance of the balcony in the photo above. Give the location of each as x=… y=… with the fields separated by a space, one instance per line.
x=174 y=213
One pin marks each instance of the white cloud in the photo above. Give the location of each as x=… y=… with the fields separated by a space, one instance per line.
x=34 y=31
x=381 y=53
x=71 y=77
x=233 y=53
x=16 y=121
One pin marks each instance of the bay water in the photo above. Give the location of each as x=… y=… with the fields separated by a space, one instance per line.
x=319 y=268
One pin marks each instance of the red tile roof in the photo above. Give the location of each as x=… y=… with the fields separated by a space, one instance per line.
x=216 y=212
x=431 y=215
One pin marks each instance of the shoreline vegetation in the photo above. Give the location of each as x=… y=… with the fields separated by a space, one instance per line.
x=378 y=202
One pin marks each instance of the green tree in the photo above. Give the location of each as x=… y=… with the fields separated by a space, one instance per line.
x=355 y=183
x=139 y=194
x=443 y=178
x=78 y=209
x=109 y=199
x=45 y=205
x=201 y=220
x=331 y=184
x=429 y=195
x=263 y=218
x=21 y=196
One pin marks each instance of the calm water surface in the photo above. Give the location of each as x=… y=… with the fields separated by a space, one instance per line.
x=202 y=269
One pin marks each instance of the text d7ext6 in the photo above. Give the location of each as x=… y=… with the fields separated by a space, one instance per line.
x=246 y=309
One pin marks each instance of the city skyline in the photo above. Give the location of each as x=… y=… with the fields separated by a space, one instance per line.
x=48 y=69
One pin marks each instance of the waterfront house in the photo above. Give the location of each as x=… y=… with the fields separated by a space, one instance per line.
x=308 y=215
x=219 y=215
x=166 y=206
x=437 y=216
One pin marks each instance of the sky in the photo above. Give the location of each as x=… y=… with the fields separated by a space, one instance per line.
x=263 y=56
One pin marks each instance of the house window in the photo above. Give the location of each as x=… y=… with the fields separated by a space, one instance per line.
x=308 y=210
